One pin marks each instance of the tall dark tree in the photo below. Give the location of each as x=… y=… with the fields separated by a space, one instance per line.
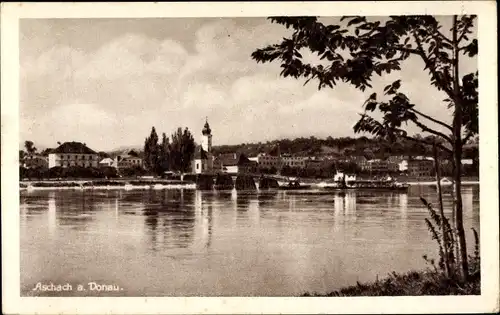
x=151 y=151
x=356 y=49
x=30 y=147
x=22 y=155
x=182 y=150
x=165 y=153
x=188 y=148
x=175 y=153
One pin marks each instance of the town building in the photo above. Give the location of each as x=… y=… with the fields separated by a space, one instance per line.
x=316 y=164
x=379 y=166
x=294 y=161
x=73 y=154
x=236 y=163
x=35 y=161
x=107 y=162
x=396 y=158
x=129 y=159
x=403 y=166
x=203 y=161
x=340 y=176
x=360 y=160
x=421 y=166
x=267 y=161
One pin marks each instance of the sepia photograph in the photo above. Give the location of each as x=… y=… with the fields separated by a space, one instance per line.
x=306 y=153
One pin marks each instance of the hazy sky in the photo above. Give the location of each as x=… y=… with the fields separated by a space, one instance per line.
x=105 y=82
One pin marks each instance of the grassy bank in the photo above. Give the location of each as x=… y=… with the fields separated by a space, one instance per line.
x=409 y=284
x=415 y=283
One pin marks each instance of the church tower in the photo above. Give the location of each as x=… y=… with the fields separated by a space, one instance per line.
x=206 y=138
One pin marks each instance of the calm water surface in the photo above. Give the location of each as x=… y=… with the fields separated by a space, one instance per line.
x=186 y=242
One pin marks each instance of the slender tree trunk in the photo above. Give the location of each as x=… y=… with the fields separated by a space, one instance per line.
x=454 y=223
x=457 y=155
x=441 y=213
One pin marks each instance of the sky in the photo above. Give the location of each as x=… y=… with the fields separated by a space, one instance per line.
x=106 y=82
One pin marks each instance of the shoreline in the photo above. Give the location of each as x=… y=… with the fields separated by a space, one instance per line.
x=157 y=186
x=412 y=283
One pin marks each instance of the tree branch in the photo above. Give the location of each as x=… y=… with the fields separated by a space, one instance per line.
x=430 y=65
x=439 y=145
x=408 y=50
x=443 y=37
x=464 y=32
x=432 y=119
x=432 y=131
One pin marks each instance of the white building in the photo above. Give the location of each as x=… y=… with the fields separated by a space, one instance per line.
x=403 y=165
x=236 y=163
x=203 y=161
x=467 y=161
x=267 y=161
x=339 y=176
x=73 y=154
x=107 y=162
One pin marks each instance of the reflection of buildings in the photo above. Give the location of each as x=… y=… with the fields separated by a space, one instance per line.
x=253 y=211
x=403 y=206
x=51 y=213
x=292 y=202
x=344 y=203
x=168 y=223
x=243 y=201
x=203 y=222
x=468 y=197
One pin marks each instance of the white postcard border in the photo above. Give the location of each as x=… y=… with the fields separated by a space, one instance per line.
x=13 y=303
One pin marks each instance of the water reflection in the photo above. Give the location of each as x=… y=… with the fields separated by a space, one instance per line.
x=344 y=203
x=203 y=222
x=403 y=205
x=210 y=242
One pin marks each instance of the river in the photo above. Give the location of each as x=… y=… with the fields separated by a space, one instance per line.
x=225 y=243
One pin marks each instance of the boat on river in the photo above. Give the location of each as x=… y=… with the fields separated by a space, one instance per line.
x=366 y=184
x=293 y=185
x=445 y=182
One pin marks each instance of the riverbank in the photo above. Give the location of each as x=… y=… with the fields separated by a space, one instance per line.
x=413 y=283
x=418 y=283
x=133 y=183
x=107 y=184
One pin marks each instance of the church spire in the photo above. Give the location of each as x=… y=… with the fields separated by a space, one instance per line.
x=206 y=129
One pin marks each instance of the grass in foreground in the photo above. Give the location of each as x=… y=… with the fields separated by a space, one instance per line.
x=413 y=283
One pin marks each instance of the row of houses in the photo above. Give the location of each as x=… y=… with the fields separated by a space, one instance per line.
x=204 y=161
x=73 y=153
x=265 y=160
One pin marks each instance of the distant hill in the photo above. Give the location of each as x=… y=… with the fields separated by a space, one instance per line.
x=337 y=148
x=333 y=147
x=125 y=148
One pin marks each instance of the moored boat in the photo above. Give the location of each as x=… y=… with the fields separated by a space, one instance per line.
x=445 y=182
x=366 y=184
x=292 y=185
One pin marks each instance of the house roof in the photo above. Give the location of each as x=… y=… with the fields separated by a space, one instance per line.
x=200 y=154
x=127 y=157
x=233 y=159
x=73 y=147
